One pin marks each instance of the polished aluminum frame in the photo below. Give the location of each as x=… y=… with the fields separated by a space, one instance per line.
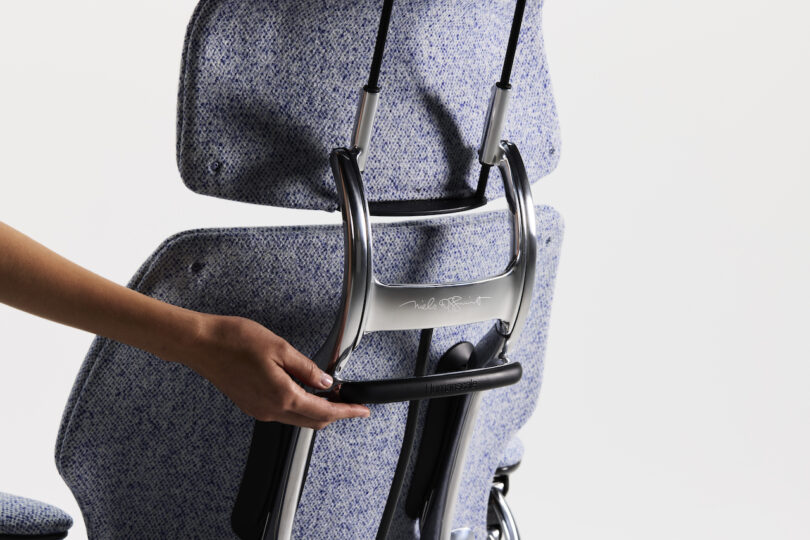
x=507 y=527
x=370 y=306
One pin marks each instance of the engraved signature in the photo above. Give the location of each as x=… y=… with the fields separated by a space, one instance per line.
x=451 y=303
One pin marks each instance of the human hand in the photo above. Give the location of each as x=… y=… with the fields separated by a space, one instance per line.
x=254 y=368
x=247 y=362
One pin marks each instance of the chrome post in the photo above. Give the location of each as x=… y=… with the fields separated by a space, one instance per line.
x=348 y=328
x=519 y=196
x=493 y=127
x=521 y=205
x=506 y=521
x=295 y=483
x=363 y=125
x=457 y=470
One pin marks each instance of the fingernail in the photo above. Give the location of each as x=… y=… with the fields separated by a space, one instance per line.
x=326 y=381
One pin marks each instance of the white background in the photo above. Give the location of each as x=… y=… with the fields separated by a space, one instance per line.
x=676 y=399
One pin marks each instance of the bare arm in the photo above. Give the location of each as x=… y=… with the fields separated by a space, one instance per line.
x=246 y=361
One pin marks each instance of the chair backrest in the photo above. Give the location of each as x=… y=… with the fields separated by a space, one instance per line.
x=150 y=449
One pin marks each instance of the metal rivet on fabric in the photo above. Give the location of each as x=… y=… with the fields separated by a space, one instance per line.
x=197 y=267
x=215 y=166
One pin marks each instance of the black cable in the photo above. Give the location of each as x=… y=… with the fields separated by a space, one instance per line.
x=483 y=178
x=407 y=439
x=379 y=47
x=506 y=74
x=511 y=48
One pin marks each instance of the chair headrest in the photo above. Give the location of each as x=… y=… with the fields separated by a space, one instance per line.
x=269 y=87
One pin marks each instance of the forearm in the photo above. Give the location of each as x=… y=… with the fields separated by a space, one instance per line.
x=39 y=281
x=242 y=358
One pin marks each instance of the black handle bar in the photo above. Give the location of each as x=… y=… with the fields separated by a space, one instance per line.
x=429 y=386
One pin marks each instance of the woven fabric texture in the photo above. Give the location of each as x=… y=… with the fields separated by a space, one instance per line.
x=268 y=88
x=21 y=516
x=152 y=450
x=512 y=454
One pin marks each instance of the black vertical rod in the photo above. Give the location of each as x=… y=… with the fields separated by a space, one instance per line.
x=511 y=48
x=379 y=47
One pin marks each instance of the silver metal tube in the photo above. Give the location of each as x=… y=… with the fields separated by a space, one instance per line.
x=493 y=127
x=526 y=241
x=296 y=481
x=348 y=328
x=358 y=268
x=506 y=521
x=462 y=534
x=457 y=470
x=364 y=125
x=525 y=247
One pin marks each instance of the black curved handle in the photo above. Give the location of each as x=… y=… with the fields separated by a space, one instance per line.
x=426 y=207
x=429 y=386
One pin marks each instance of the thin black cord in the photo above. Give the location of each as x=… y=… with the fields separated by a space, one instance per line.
x=483 y=178
x=379 y=47
x=382 y=37
x=511 y=47
x=506 y=74
x=407 y=439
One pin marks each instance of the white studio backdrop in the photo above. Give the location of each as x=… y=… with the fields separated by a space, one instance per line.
x=675 y=402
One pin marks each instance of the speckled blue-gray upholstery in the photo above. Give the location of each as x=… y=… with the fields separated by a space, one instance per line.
x=269 y=87
x=152 y=450
x=27 y=517
x=513 y=453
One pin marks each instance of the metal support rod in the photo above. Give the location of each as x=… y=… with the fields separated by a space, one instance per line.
x=490 y=152
x=364 y=125
x=359 y=309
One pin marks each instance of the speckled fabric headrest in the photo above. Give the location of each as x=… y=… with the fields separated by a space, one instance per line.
x=269 y=87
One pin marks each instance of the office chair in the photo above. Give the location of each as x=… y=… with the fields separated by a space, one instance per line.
x=438 y=320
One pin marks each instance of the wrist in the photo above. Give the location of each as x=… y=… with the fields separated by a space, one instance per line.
x=186 y=337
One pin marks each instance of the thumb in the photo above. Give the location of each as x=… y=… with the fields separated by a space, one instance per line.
x=304 y=369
